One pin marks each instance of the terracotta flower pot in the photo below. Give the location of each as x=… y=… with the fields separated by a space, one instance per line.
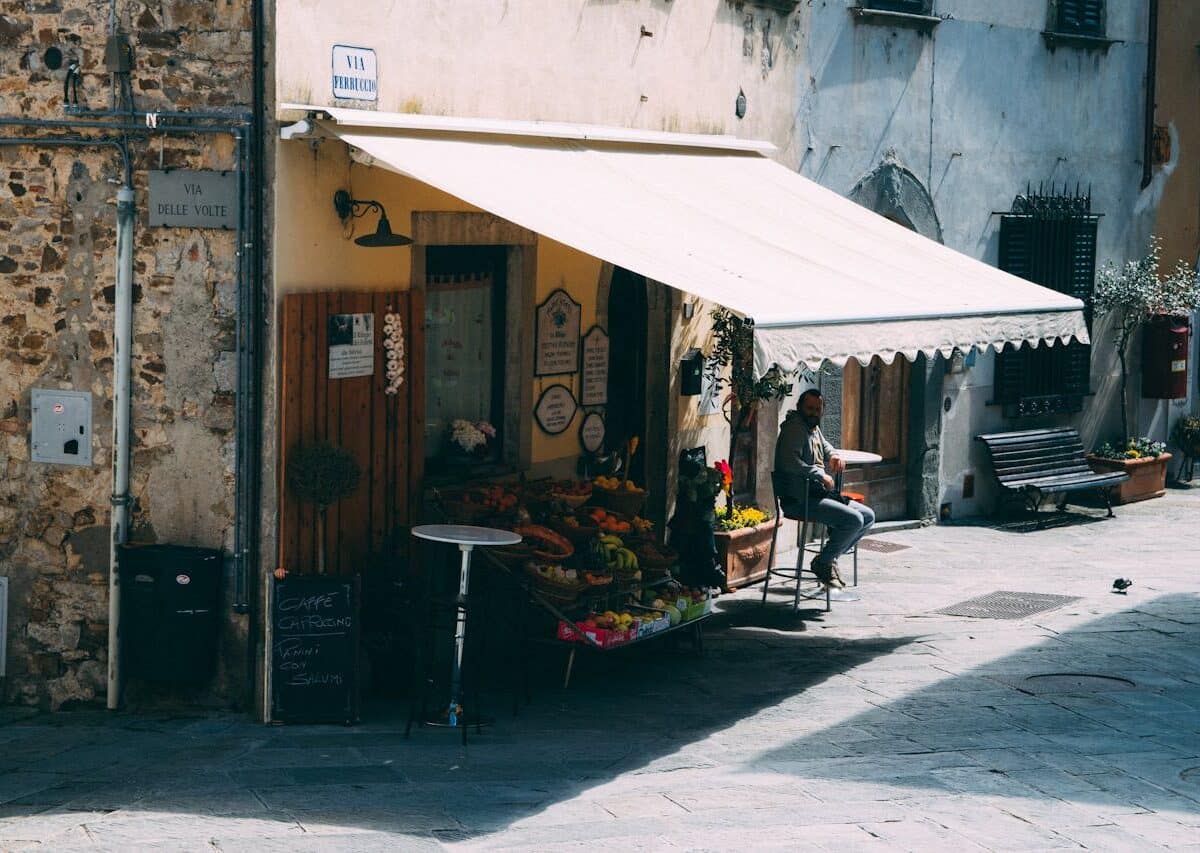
x=743 y=553
x=1147 y=476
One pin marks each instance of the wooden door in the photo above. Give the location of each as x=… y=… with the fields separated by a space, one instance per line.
x=355 y=413
x=875 y=418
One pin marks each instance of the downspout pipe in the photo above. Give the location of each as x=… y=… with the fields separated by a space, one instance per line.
x=1151 y=96
x=122 y=347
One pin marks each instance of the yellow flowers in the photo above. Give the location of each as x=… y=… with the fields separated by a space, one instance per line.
x=742 y=516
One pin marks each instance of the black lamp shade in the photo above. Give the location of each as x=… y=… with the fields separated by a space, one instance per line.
x=383 y=235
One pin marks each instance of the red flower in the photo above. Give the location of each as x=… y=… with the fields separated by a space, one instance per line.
x=726 y=473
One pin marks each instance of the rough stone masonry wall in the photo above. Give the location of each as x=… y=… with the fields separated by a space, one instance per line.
x=57 y=276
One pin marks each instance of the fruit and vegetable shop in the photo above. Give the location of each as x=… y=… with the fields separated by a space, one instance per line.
x=542 y=331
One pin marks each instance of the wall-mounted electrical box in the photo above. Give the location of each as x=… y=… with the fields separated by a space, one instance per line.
x=62 y=427
x=691 y=373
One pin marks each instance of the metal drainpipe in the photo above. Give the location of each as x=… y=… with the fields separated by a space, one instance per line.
x=1151 y=96
x=122 y=345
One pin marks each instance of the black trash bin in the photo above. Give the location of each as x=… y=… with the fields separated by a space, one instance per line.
x=170 y=601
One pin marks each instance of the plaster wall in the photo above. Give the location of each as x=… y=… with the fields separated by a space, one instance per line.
x=977 y=110
x=652 y=64
x=57 y=269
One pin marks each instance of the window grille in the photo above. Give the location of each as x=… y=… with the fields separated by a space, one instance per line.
x=1049 y=240
x=1080 y=17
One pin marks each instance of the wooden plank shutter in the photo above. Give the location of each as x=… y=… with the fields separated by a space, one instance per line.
x=1085 y=17
x=1081 y=283
x=1016 y=257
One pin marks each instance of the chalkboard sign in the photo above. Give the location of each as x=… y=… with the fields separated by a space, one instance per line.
x=314 y=650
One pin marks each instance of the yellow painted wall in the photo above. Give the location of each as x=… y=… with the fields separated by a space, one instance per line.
x=316 y=253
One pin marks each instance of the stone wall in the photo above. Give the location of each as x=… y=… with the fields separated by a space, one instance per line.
x=57 y=271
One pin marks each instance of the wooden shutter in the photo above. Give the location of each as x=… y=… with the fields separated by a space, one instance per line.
x=1085 y=17
x=1016 y=257
x=1081 y=283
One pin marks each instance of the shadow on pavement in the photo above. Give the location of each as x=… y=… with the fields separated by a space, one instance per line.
x=645 y=710
x=992 y=732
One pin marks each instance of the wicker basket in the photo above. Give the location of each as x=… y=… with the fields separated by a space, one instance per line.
x=555 y=593
x=656 y=558
x=580 y=535
x=619 y=500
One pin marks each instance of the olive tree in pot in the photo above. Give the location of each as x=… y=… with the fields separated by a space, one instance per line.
x=322 y=474
x=1134 y=293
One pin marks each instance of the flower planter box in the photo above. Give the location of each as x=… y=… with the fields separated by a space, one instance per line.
x=743 y=553
x=1147 y=476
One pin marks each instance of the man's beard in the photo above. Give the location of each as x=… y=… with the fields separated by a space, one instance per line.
x=812 y=421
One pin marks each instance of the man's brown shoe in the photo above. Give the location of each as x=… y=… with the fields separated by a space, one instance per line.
x=825 y=572
x=838 y=583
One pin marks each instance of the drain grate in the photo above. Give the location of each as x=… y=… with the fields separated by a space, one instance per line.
x=1007 y=605
x=880 y=546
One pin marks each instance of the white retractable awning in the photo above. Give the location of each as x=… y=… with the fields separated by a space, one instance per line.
x=822 y=277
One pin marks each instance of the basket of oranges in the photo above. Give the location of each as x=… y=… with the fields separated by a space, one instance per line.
x=624 y=497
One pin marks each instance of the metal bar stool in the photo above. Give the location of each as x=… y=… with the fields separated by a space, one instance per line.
x=789 y=484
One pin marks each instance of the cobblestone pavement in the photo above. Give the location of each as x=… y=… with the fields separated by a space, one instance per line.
x=882 y=725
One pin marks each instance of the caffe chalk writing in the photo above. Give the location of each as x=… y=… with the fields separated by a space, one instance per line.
x=309 y=602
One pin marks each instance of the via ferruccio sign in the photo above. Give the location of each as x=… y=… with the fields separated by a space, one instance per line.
x=355 y=73
x=183 y=198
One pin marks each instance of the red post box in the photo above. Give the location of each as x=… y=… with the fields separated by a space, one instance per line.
x=1165 y=357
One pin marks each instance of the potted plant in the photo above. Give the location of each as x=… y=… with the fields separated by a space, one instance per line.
x=1144 y=460
x=1186 y=436
x=733 y=348
x=743 y=538
x=322 y=474
x=1133 y=294
x=469 y=442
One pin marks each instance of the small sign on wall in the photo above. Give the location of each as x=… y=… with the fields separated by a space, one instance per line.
x=351 y=345
x=595 y=368
x=555 y=409
x=355 y=73
x=557 y=339
x=183 y=198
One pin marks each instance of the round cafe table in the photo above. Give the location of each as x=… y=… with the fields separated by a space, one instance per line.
x=850 y=457
x=466 y=537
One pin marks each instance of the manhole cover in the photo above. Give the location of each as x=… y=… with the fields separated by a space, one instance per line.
x=1076 y=682
x=881 y=546
x=1007 y=605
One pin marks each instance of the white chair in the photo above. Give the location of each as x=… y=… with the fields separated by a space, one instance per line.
x=783 y=485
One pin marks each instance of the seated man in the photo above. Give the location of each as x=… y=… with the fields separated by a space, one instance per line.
x=804 y=453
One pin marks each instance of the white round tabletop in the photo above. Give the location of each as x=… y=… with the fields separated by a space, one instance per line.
x=858 y=457
x=465 y=534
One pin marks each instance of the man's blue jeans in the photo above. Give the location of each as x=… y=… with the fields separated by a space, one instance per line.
x=847 y=524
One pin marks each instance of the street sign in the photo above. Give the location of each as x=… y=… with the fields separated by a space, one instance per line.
x=181 y=198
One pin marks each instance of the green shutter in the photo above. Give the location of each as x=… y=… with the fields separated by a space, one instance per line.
x=1077 y=359
x=1085 y=17
x=1016 y=257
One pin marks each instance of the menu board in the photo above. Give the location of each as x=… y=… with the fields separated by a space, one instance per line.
x=314 y=650
x=556 y=347
x=591 y=432
x=594 y=390
x=555 y=409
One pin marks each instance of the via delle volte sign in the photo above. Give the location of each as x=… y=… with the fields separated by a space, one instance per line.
x=182 y=198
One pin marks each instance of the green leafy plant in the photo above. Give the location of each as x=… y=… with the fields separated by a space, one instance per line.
x=733 y=348
x=1186 y=435
x=1133 y=293
x=322 y=474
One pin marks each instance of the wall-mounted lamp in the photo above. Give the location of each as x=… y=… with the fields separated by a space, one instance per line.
x=347 y=207
x=739 y=104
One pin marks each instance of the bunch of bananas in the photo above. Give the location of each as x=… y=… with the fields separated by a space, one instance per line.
x=615 y=555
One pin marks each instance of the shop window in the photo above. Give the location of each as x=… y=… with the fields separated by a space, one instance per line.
x=465 y=345
x=1049 y=240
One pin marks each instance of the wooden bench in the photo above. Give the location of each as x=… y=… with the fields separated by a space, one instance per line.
x=1035 y=463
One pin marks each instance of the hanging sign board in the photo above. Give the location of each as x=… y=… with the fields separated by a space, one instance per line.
x=314 y=650
x=555 y=409
x=594 y=386
x=556 y=345
x=591 y=432
x=355 y=73
x=351 y=345
x=181 y=198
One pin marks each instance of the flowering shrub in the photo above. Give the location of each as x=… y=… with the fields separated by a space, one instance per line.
x=742 y=516
x=471 y=437
x=1134 y=448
